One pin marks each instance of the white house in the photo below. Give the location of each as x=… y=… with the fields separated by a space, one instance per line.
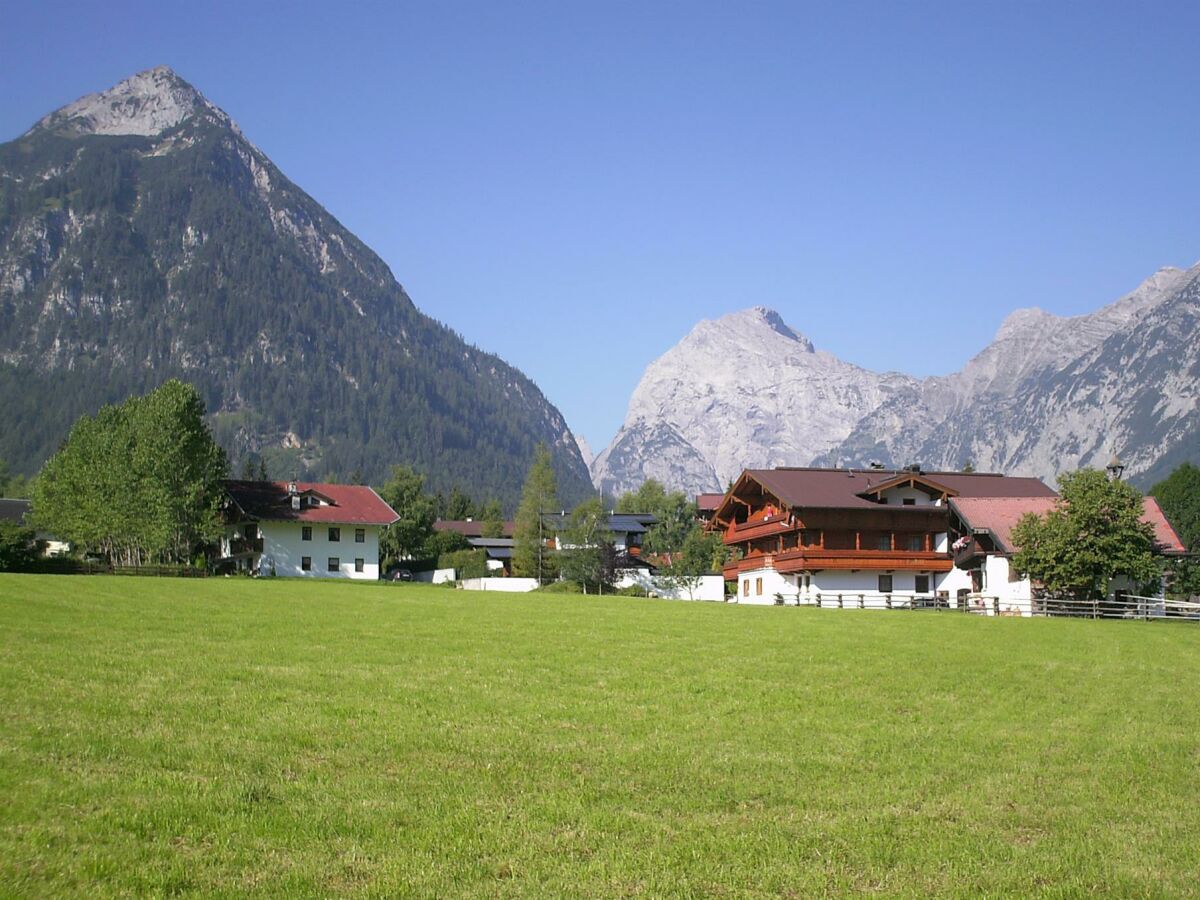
x=850 y=538
x=304 y=530
x=983 y=548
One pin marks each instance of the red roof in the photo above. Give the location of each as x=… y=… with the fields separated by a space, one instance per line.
x=1168 y=541
x=348 y=504
x=708 y=502
x=840 y=488
x=1000 y=514
x=471 y=528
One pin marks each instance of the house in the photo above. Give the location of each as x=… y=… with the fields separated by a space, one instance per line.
x=625 y=530
x=305 y=530
x=981 y=534
x=707 y=505
x=874 y=537
x=17 y=512
x=499 y=552
x=471 y=528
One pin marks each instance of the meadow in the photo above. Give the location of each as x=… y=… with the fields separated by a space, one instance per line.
x=228 y=737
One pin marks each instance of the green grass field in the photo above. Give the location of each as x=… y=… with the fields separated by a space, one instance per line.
x=229 y=737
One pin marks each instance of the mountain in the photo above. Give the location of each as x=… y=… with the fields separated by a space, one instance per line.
x=143 y=237
x=1049 y=394
x=743 y=389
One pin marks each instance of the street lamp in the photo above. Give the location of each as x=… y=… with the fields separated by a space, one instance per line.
x=1115 y=467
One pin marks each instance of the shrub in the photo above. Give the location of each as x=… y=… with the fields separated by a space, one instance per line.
x=465 y=563
x=633 y=590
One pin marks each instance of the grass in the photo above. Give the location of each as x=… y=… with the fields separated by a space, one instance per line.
x=233 y=737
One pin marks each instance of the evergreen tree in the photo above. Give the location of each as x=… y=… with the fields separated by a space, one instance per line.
x=493 y=519
x=460 y=506
x=1093 y=534
x=1179 y=497
x=539 y=497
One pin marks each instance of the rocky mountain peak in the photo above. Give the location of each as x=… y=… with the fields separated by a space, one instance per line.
x=753 y=324
x=146 y=104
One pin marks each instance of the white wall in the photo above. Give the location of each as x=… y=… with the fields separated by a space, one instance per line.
x=896 y=497
x=283 y=547
x=510 y=585
x=434 y=576
x=772 y=583
x=708 y=587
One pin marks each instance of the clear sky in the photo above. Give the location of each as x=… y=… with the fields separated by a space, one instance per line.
x=573 y=185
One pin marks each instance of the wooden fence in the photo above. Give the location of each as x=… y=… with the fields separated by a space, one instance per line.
x=79 y=567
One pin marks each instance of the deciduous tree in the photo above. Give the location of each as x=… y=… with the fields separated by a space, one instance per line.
x=587 y=556
x=1093 y=534
x=407 y=537
x=139 y=482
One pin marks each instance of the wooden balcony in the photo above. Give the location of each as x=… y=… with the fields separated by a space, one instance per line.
x=814 y=559
x=244 y=546
x=758 y=528
x=969 y=554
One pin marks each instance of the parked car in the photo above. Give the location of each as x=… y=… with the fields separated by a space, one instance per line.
x=399 y=575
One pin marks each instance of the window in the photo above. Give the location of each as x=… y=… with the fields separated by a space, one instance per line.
x=922 y=584
x=360 y=536
x=746 y=588
x=915 y=542
x=885 y=584
x=910 y=501
x=306 y=564
x=885 y=542
x=335 y=564
x=358 y=564
x=758 y=587
x=335 y=534
x=810 y=538
x=306 y=533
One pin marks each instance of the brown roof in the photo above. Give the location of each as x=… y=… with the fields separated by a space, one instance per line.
x=471 y=528
x=349 y=504
x=1000 y=514
x=708 y=502
x=840 y=489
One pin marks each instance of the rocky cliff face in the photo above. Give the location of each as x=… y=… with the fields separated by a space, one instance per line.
x=143 y=237
x=1048 y=395
x=741 y=390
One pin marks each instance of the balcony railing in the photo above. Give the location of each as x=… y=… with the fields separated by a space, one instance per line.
x=240 y=546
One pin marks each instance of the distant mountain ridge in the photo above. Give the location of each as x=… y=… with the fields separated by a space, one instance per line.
x=142 y=237
x=1049 y=394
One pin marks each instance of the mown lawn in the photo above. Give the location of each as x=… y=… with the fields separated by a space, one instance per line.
x=229 y=737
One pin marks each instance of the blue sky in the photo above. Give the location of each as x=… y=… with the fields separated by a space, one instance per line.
x=573 y=186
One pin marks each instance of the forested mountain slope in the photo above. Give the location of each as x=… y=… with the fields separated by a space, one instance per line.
x=143 y=237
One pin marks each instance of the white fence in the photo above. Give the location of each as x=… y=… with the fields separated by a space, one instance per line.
x=1124 y=606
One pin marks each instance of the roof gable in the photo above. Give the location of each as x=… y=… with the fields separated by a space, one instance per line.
x=852 y=489
x=348 y=504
